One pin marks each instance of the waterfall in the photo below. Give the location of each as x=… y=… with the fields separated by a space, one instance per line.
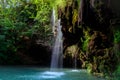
x=57 y=54
x=75 y=61
x=53 y=20
x=75 y=56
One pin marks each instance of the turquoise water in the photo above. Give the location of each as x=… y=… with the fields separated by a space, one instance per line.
x=36 y=73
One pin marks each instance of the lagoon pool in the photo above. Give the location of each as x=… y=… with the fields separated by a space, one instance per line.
x=36 y=73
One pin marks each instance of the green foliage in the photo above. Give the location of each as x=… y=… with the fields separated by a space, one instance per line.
x=117 y=51
x=117 y=74
x=61 y=3
x=86 y=39
x=19 y=19
x=43 y=12
x=42 y=19
x=89 y=68
x=117 y=36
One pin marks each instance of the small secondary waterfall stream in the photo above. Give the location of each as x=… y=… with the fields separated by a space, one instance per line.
x=57 y=54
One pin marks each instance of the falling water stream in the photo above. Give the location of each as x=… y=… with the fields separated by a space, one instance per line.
x=57 y=57
x=53 y=20
x=57 y=54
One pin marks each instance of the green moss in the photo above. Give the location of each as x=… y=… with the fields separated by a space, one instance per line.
x=89 y=68
x=71 y=50
x=87 y=38
x=117 y=34
x=74 y=18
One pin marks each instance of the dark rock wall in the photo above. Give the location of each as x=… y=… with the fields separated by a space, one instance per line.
x=87 y=25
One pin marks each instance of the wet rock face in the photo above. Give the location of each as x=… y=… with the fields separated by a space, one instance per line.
x=115 y=5
x=70 y=29
x=89 y=25
x=99 y=41
x=69 y=22
x=100 y=52
x=34 y=53
x=40 y=54
x=95 y=14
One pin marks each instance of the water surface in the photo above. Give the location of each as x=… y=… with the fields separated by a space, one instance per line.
x=36 y=73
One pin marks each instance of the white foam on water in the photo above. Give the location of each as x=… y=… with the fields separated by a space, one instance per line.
x=50 y=74
x=75 y=70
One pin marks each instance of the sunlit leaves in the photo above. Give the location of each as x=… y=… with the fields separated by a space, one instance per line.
x=43 y=12
x=60 y=3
